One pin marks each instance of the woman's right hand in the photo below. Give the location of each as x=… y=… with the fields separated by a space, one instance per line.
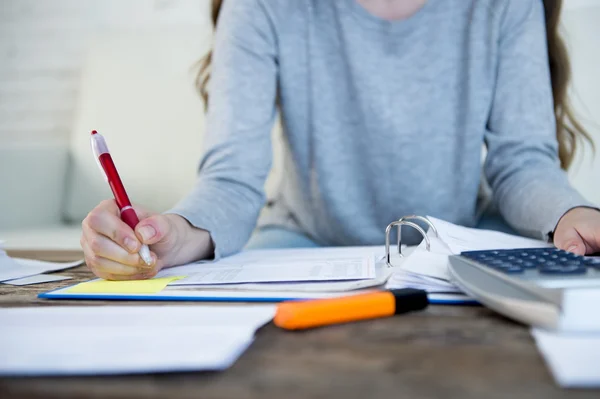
x=111 y=247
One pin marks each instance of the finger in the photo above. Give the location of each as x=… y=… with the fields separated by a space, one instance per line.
x=144 y=274
x=117 y=277
x=571 y=241
x=103 y=247
x=106 y=267
x=153 y=229
x=104 y=222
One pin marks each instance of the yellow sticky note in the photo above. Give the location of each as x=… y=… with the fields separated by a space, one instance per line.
x=150 y=286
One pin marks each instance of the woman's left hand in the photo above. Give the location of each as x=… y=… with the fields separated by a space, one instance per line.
x=578 y=231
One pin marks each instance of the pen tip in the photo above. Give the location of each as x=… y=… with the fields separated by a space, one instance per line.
x=94 y=132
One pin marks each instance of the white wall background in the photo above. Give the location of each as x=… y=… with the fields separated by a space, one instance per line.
x=42 y=44
x=582 y=33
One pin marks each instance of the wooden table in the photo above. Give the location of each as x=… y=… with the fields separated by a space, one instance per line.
x=443 y=352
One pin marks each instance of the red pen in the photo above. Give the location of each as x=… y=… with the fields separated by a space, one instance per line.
x=109 y=170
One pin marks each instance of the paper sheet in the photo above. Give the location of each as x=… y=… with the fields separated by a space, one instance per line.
x=285 y=265
x=572 y=358
x=123 y=339
x=382 y=274
x=37 y=279
x=422 y=269
x=10 y=269
x=118 y=351
x=427 y=263
x=48 y=266
x=150 y=286
x=14 y=268
x=461 y=239
x=288 y=271
x=401 y=279
x=305 y=254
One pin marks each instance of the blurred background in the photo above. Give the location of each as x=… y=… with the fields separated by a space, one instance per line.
x=127 y=69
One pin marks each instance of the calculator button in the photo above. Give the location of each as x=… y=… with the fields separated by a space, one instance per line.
x=574 y=263
x=563 y=269
x=511 y=269
x=529 y=265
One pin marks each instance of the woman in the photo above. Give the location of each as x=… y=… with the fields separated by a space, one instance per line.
x=386 y=106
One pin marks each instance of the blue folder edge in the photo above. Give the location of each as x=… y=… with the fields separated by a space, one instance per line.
x=191 y=298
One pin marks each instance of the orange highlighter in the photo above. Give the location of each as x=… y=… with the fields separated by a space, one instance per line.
x=299 y=315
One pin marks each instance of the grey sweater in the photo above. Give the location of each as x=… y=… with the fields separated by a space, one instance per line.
x=381 y=119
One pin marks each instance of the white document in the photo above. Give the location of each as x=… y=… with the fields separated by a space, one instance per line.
x=401 y=279
x=45 y=267
x=382 y=274
x=460 y=239
x=289 y=271
x=14 y=268
x=424 y=269
x=572 y=358
x=10 y=269
x=291 y=265
x=427 y=263
x=37 y=279
x=125 y=340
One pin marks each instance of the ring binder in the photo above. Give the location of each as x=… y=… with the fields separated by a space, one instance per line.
x=421 y=218
x=404 y=221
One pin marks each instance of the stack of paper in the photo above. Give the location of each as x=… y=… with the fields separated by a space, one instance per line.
x=28 y=271
x=116 y=340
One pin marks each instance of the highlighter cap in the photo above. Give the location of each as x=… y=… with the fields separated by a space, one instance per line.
x=409 y=300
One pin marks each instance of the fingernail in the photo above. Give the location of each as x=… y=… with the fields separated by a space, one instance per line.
x=576 y=249
x=130 y=244
x=147 y=232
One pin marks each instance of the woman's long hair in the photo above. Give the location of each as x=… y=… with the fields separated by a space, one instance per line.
x=569 y=132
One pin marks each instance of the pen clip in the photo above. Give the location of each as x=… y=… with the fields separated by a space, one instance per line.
x=99 y=147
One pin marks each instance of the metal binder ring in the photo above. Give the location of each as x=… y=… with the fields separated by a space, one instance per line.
x=421 y=218
x=401 y=223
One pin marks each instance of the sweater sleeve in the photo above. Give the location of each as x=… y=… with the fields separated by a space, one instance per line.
x=229 y=192
x=529 y=188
